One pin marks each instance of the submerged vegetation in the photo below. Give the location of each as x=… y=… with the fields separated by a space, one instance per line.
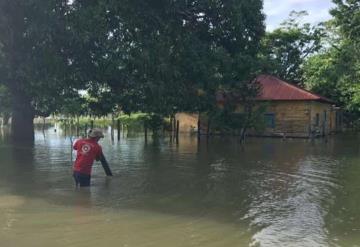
x=135 y=122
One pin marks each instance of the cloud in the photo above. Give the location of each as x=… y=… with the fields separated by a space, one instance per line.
x=277 y=11
x=300 y=1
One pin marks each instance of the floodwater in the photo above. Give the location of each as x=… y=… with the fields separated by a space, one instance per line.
x=272 y=192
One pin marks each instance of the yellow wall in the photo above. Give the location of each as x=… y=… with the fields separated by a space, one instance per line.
x=187 y=122
x=292 y=119
x=328 y=125
x=335 y=121
x=324 y=112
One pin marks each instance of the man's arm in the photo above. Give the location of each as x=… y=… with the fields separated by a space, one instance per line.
x=105 y=165
x=99 y=154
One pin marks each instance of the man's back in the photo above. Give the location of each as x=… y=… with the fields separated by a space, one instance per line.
x=87 y=151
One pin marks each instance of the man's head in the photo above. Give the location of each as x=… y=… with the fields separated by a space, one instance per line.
x=95 y=134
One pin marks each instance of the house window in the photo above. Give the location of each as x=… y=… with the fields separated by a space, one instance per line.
x=317 y=119
x=269 y=120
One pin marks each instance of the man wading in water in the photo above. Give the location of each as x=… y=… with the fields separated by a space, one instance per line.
x=88 y=150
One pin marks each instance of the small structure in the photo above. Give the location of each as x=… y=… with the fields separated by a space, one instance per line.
x=290 y=111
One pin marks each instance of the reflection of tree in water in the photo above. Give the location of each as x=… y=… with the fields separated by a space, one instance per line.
x=21 y=165
x=15 y=178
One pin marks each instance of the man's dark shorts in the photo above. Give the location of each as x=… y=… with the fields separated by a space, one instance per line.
x=82 y=180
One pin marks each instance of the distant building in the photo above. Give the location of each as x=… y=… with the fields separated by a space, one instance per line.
x=290 y=111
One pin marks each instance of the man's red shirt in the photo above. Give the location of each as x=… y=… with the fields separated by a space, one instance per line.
x=87 y=151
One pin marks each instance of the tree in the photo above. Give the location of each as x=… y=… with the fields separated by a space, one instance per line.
x=189 y=50
x=33 y=62
x=286 y=49
x=158 y=57
x=165 y=56
x=347 y=18
x=335 y=72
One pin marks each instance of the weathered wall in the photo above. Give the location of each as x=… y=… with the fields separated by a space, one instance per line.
x=291 y=119
x=336 y=119
x=187 y=122
x=301 y=118
x=323 y=125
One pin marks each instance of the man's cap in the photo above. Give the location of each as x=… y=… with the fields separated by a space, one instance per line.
x=93 y=133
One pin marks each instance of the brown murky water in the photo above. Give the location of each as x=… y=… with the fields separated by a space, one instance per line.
x=271 y=193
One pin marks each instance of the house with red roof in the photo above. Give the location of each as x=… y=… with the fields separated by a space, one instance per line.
x=290 y=111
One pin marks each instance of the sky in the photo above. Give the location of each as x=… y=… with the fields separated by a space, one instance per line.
x=277 y=11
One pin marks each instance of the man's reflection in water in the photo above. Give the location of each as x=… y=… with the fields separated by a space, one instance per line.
x=82 y=197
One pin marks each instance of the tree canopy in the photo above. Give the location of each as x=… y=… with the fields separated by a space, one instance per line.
x=34 y=60
x=335 y=71
x=157 y=57
x=285 y=49
x=164 y=56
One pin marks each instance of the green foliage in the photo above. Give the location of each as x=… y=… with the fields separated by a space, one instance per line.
x=322 y=75
x=157 y=55
x=102 y=104
x=84 y=121
x=33 y=46
x=334 y=75
x=154 y=122
x=347 y=18
x=285 y=49
x=335 y=72
x=75 y=106
x=231 y=120
x=34 y=60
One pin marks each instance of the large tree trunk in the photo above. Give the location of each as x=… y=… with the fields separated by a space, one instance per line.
x=22 y=123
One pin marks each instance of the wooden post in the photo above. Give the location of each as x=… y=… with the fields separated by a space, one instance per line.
x=198 y=128
x=208 y=129
x=85 y=130
x=174 y=125
x=71 y=127
x=171 y=124
x=112 y=127
x=71 y=150
x=92 y=124
x=77 y=126
x=177 y=131
x=145 y=129
x=118 y=129
x=171 y=128
x=44 y=122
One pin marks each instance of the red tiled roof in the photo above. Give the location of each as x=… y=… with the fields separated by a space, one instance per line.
x=272 y=88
